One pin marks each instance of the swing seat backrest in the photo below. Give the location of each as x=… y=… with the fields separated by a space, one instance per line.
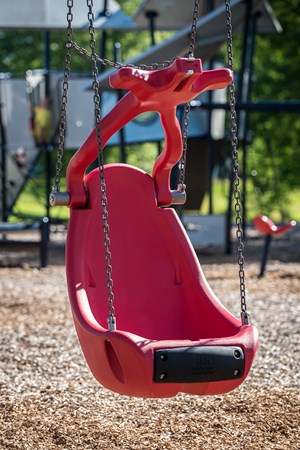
x=173 y=334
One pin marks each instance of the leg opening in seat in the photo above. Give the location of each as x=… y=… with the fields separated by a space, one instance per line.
x=114 y=362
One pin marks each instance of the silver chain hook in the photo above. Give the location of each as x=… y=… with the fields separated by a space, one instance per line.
x=235 y=169
x=111 y=320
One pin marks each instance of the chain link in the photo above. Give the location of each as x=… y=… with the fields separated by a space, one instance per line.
x=103 y=191
x=182 y=164
x=63 y=113
x=194 y=29
x=118 y=65
x=235 y=169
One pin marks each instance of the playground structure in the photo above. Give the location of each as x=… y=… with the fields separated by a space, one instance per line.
x=21 y=147
x=18 y=158
x=206 y=138
x=19 y=152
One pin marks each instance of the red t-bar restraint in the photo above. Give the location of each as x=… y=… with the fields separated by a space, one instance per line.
x=160 y=91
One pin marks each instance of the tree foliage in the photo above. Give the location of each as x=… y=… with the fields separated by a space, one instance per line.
x=274 y=162
x=275 y=150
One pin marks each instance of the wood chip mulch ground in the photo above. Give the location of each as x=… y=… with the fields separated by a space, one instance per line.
x=50 y=401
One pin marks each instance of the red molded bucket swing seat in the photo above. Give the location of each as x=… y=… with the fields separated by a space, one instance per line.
x=173 y=335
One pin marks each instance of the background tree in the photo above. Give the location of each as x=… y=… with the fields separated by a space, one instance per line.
x=275 y=151
x=274 y=160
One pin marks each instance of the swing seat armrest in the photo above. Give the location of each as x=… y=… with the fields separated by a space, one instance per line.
x=213 y=79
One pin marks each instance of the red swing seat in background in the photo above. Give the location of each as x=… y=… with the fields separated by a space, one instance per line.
x=266 y=226
x=173 y=333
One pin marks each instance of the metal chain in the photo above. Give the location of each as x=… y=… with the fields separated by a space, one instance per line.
x=54 y=197
x=152 y=66
x=194 y=29
x=103 y=192
x=185 y=133
x=156 y=66
x=235 y=169
x=187 y=106
x=63 y=113
x=118 y=65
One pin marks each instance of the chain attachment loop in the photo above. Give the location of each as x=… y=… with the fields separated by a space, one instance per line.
x=235 y=170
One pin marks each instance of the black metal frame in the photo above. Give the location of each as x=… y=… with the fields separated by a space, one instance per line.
x=42 y=243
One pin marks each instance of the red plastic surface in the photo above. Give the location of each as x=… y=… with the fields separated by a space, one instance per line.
x=266 y=226
x=162 y=298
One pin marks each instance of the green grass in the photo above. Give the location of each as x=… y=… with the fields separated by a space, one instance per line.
x=30 y=207
x=220 y=203
x=220 y=198
x=31 y=203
